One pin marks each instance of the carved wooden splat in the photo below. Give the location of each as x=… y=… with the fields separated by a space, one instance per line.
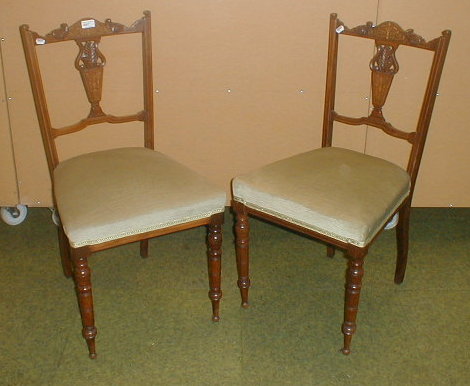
x=384 y=66
x=90 y=62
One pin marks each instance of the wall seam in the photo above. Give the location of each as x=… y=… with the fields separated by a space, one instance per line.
x=7 y=107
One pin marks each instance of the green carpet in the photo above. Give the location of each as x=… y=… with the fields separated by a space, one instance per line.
x=154 y=317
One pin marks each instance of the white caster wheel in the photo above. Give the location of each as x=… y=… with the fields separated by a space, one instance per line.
x=14 y=215
x=55 y=216
x=392 y=223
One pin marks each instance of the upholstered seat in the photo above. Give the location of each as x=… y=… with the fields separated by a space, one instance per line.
x=158 y=193
x=352 y=207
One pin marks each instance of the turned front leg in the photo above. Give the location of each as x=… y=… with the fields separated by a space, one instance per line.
x=354 y=275
x=82 y=276
x=214 y=253
x=242 y=240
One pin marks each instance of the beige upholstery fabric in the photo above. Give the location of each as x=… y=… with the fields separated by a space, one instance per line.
x=107 y=195
x=337 y=192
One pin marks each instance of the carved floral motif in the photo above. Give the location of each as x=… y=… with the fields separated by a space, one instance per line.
x=89 y=56
x=61 y=32
x=384 y=60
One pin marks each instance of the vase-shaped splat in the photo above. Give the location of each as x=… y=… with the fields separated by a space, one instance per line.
x=384 y=66
x=90 y=62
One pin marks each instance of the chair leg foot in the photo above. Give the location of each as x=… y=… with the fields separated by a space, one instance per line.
x=244 y=286
x=89 y=333
x=399 y=277
x=346 y=350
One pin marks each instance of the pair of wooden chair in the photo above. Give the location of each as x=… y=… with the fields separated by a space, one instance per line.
x=341 y=197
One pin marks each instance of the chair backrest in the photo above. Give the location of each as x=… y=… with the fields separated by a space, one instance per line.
x=388 y=36
x=90 y=62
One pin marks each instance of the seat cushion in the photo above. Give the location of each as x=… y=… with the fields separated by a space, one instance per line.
x=111 y=194
x=339 y=193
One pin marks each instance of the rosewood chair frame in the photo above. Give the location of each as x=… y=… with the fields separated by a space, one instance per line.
x=90 y=63
x=388 y=36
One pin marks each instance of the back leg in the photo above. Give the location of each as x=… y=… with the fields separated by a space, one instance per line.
x=402 y=234
x=330 y=250
x=144 y=248
x=64 y=247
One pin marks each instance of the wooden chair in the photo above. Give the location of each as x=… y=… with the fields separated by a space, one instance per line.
x=342 y=197
x=114 y=197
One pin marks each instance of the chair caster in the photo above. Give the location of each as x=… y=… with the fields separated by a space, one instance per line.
x=14 y=215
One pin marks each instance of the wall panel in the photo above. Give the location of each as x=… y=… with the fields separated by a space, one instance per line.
x=240 y=84
x=444 y=178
